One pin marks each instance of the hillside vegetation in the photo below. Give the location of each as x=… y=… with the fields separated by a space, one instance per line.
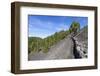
x=36 y=44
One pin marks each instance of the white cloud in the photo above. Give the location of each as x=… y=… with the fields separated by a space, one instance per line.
x=62 y=27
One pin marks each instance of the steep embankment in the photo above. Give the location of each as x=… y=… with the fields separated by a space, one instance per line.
x=62 y=50
x=66 y=48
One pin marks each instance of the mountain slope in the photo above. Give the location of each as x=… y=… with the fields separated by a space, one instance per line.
x=64 y=49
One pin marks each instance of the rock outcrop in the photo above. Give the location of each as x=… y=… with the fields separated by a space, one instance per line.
x=81 y=40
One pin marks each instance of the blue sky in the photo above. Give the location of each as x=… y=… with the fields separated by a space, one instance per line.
x=43 y=26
